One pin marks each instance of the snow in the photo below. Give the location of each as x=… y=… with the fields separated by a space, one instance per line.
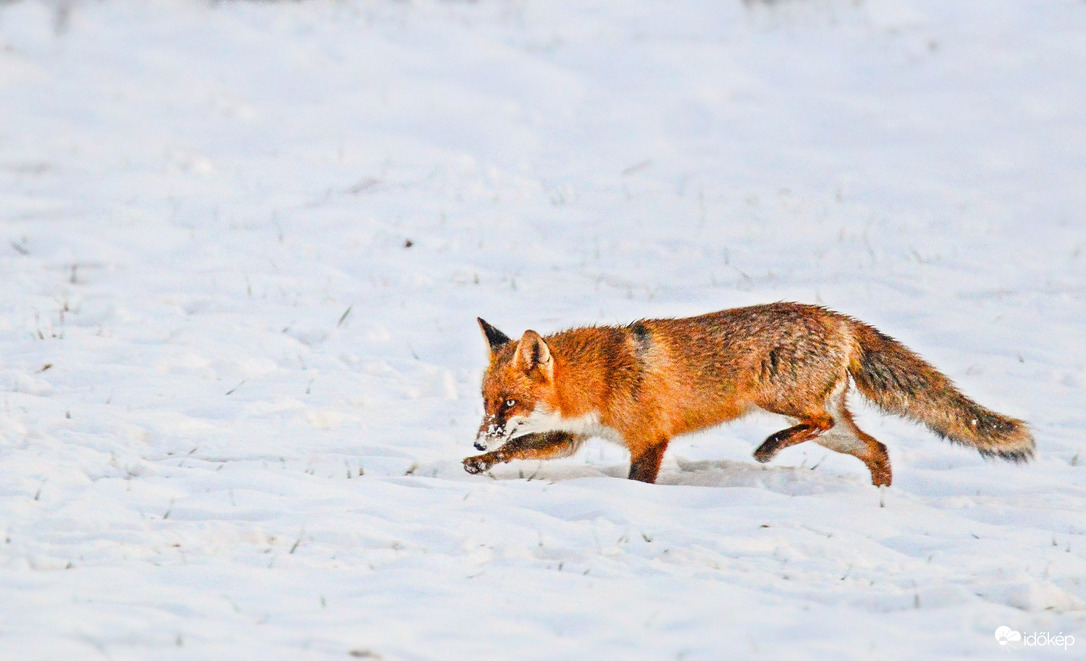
x=244 y=246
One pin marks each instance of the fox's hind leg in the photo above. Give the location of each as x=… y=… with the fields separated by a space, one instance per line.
x=846 y=437
x=810 y=428
x=831 y=426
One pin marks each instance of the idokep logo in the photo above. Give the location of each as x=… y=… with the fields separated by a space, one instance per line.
x=1005 y=636
x=1008 y=637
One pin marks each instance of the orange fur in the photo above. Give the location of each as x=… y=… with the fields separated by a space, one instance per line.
x=645 y=383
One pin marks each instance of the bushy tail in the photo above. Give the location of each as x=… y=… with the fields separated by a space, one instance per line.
x=901 y=382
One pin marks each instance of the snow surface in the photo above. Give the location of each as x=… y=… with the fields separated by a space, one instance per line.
x=244 y=246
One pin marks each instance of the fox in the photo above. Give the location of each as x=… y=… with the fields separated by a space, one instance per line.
x=643 y=384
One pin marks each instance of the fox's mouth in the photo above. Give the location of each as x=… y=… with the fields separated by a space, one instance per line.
x=491 y=441
x=494 y=435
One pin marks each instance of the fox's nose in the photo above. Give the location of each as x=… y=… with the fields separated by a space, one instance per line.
x=480 y=446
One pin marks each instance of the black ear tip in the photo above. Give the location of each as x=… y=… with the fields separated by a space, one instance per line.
x=494 y=337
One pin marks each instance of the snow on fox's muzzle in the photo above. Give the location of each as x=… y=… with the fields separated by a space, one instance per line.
x=492 y=434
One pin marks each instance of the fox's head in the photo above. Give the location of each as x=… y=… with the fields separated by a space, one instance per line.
x=518 y=387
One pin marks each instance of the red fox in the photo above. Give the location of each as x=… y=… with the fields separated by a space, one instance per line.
x=643 y=384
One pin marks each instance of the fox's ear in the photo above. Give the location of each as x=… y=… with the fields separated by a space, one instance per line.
x=533 y=353
x=494 y=337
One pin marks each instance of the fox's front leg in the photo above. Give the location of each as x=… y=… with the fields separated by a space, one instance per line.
x=548 y=445
x=645 y=461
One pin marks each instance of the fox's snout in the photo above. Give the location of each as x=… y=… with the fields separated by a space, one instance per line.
x=492 y=430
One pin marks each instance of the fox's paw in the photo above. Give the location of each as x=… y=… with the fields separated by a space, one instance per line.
x=478 y=464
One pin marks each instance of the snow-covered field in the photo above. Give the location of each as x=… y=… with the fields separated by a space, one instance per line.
x=244 y=245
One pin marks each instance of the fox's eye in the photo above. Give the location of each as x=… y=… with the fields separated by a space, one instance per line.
x=510 y=403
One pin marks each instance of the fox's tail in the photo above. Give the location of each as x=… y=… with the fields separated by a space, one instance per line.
x=901 y=382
